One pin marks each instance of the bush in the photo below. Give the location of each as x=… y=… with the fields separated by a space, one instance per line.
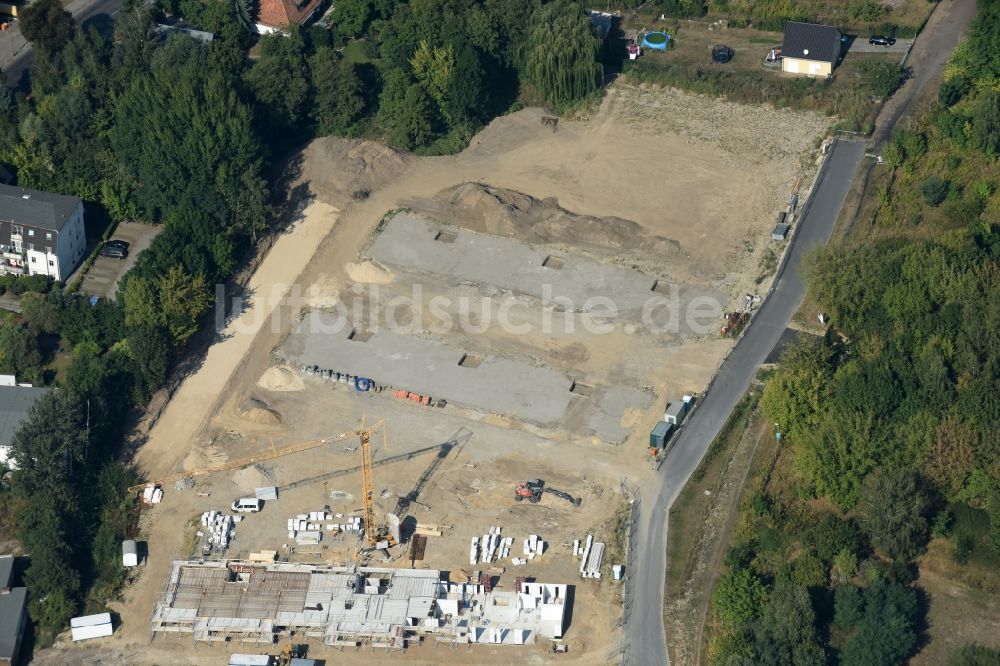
x=934 y=190
x=974 y=655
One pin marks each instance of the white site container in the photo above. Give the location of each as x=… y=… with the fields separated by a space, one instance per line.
x=130 y=553
x=91 y=626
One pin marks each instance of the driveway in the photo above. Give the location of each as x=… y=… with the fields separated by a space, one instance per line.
x=861 y=45
x=103 y=277
x=645 y=639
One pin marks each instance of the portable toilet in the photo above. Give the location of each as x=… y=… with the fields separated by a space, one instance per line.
x=130 y=553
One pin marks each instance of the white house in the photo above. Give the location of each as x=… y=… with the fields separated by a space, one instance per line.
x=40 y=233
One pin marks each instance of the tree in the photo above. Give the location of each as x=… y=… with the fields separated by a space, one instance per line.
x=279 y=83
x=885 y=633
x=42 y=312
x=183 y=299
x=406 y=112
x=339 y=94
x=891 y=510
x=952 y=455
x=934 y=190
x=985 y=129
x=19 y=353
x=561 y=54
x=49 y=447
x=786 y=630
x=848 y=606
x=739 y=597
x=434 y=69
x=47 y=25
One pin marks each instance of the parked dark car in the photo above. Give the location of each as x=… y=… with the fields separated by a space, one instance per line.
x=114 y=252
x=879 y=40
x=114 y=242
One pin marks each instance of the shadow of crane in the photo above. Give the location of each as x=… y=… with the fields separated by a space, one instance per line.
x=456 y=441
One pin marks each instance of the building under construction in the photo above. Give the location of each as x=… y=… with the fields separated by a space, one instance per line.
x=349 y=606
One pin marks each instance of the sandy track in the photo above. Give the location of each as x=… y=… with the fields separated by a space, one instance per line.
x=195 y=400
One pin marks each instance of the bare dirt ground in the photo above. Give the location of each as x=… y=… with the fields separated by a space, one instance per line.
x=704 y=201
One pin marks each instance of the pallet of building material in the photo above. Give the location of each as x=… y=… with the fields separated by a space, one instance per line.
x=264 y=556
x=423 y=531
x=418 y=546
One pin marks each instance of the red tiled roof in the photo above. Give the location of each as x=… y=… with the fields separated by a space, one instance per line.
x=283 y=13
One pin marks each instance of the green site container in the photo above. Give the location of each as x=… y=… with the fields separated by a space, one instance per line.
x=659 y=435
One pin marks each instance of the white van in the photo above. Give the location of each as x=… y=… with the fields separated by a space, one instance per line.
x=247 y=505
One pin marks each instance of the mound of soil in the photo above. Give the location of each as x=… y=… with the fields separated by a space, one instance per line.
x=339 y=171
x=368 y=272
x=256 y=411
x=255 y=476
x=504 y=212
x=280 y=378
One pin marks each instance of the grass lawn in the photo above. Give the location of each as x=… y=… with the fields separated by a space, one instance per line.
x=854 y=94
x=354 y=52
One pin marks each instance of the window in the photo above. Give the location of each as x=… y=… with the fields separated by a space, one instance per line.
x=51 y=263
x=34 y=260
x=31 y=247
x=31 y=232
x=48 y=235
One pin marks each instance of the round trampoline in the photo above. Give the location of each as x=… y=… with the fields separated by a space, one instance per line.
x=656 y=40
x=722 y=54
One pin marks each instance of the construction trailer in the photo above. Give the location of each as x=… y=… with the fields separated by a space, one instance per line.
x=254 y=603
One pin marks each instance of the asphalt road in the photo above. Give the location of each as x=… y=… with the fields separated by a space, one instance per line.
x=15 y=53
x=645 y=640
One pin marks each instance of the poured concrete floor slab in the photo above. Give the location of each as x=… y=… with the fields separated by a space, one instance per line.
x=563 y=281
x=534 y=394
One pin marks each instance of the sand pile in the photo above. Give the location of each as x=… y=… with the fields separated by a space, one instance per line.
x=257 y=411
x=343 y=170
x=255 y=476
x=280 y=378
x=368 y=272
x=504 y=212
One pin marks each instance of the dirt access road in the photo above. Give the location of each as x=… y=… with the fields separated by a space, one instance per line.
x=931 y=51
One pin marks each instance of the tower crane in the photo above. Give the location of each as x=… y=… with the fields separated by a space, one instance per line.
x=378 y=536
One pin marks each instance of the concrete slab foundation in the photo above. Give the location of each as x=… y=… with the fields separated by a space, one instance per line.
x=563 y=281
x=495 y=384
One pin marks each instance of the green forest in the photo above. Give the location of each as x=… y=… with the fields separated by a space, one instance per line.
x=187 y=135
x=888 y=423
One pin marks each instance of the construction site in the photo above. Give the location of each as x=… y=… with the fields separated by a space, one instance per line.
x=424 y=423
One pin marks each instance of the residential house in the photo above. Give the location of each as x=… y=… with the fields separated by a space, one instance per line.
x=278 y=15
x=40 y=233
x=810 y=49
x=13 y=618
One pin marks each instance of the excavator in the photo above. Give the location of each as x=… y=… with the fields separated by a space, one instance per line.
x=532 y=490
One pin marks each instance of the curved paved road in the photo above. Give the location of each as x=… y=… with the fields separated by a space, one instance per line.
x=645 y=640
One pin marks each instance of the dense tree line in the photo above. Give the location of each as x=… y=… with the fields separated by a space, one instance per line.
x=888 y=422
